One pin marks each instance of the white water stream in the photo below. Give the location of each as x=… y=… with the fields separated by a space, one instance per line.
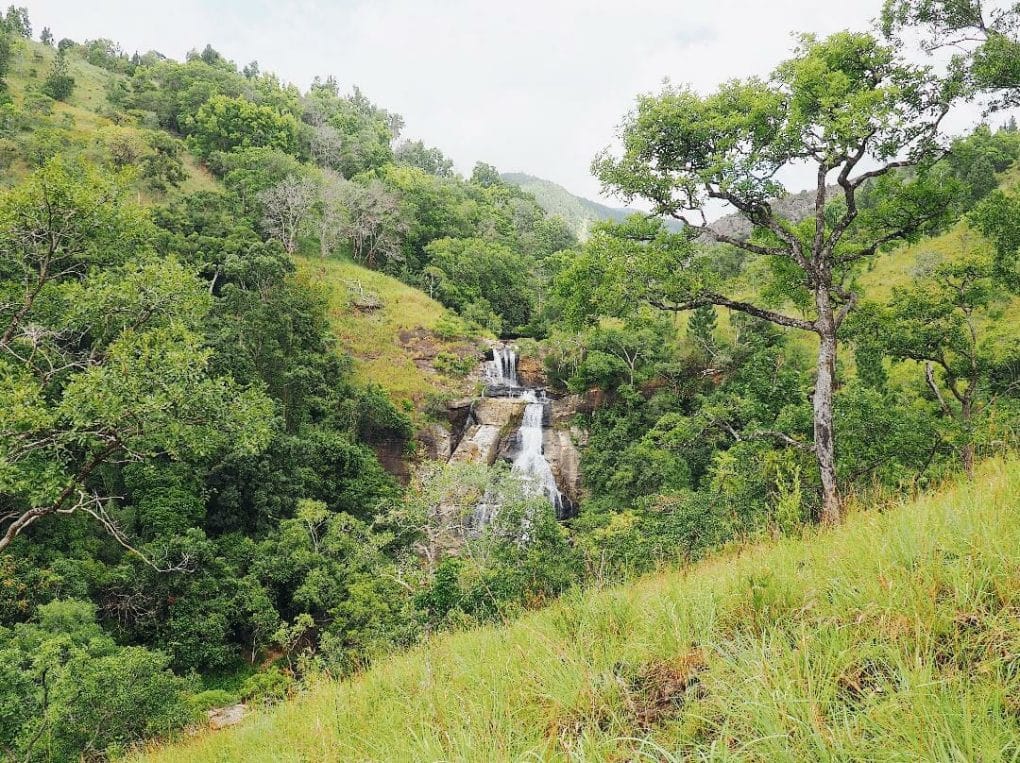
x=530 y=463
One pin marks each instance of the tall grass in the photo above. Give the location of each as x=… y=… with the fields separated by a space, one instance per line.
x=895 y=637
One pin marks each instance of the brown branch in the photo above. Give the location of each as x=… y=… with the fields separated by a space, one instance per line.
x=743 y=307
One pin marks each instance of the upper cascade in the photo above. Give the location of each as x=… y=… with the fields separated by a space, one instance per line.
x=501 y=371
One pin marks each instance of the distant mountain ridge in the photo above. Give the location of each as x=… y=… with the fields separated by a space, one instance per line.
x=580 y=212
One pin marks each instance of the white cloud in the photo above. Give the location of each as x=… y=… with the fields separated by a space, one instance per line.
x=531 y=85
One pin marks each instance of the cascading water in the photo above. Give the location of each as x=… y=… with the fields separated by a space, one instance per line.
x=501 y=371
x=531 y=463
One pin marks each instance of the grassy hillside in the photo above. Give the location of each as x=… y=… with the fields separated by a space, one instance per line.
x=86 y=114
x=397 y=335
x=893 y=637
x=557 y=200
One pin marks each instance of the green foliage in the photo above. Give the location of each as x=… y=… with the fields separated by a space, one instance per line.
x=70 y=690
x=486 y=275
x=59 y=84
x=267 y=687
x=428 y=159
x=163 y=169
x=225 y=124
x=998 y=218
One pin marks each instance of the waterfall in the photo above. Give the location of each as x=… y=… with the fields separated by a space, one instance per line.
x=531 y=463
x=501 y=371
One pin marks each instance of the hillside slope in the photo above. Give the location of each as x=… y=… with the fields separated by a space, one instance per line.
x=397 y=335
x=394 y=344
x=892 y=637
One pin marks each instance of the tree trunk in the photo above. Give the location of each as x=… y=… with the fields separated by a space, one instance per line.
x=825 y=436
x=966 y=416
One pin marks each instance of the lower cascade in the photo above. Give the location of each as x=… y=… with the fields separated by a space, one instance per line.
x=530 y=462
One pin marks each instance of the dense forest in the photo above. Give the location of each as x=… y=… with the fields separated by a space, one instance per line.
x=195 y=508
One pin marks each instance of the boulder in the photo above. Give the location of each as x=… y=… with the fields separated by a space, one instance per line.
x=498 y=411
x=221 y=717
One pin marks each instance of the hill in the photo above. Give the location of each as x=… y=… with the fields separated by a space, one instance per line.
x=392 y=340
x=580 y=212
x=397 y=335
x=892 y=637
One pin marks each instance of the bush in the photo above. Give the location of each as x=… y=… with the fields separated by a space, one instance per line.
x=70 y=690
x=211 y=699
x=269 y=686
x=59 y=85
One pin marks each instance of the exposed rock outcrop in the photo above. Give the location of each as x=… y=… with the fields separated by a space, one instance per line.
x=560 y=446
x=392 y=457
x=437 y=440
x=494 y=421
x=531 y=372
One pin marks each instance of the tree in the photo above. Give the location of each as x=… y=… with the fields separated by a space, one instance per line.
x=485 y=175
x=16 y=21
x=46 y=37
x=101 y=359
x=942 y=322
x=225 y=124
x=701 y=329
x=164 y=167
x=488 y=275
x=373 y=224
x=840 y=104
x=59 y=84
x=417 y=154
x=286 y=208
x=985 y=44
x=70 y=690
x=998 y=219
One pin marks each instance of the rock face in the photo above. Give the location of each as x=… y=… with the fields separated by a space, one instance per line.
x=480 y=444
x=438 y=441
x=498 y=411
x=531 y=372
x=563 y=409
x=561 y=451
x=494 y=420
x=391 y=455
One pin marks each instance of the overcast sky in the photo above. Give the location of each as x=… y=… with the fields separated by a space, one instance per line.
x=534 y=86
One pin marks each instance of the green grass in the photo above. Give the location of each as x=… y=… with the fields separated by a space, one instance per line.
x=894 y=637
x=87 y=112
x=394 y=345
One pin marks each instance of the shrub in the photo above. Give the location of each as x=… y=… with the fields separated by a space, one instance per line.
x=269 y=686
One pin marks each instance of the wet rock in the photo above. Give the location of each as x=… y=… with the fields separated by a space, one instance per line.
x=561 y=450
x=497 y=411
x=479 y=445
